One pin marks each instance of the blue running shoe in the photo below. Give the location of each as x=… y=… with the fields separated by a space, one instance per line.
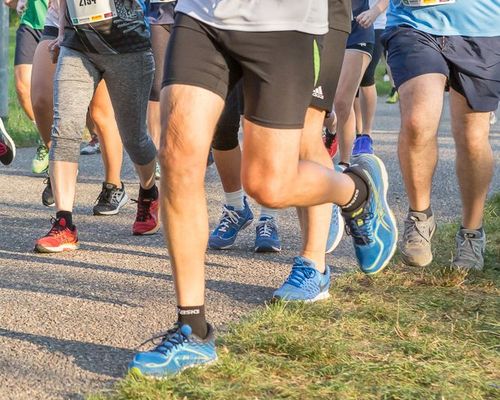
x=362 y=145
x=230 y=224
x=373 y=226
x=305 y=283
x=178 y=350
x=336 y=231
x=267 y=238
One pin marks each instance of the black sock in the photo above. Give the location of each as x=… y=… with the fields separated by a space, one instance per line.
x=151 y=193
x=427 y=212
x=68 y=217
x=195 y=318
x=360 y=194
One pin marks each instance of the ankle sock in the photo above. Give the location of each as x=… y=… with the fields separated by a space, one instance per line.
x=427 y=211
x=151 y=193
x=359 y=196
x=193 y=316
x=68 y=217
x=268 y=212
x=235 y=199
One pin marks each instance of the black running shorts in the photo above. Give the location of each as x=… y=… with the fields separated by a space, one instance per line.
x=26 y=41
x=279 y=69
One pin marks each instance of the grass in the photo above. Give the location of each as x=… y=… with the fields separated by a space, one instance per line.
x=411 y=333
x=22 y=130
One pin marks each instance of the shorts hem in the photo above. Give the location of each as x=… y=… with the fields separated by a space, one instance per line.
x=274 y=125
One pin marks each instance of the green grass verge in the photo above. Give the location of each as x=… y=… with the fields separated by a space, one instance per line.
x=22 y=130
x=411 y=333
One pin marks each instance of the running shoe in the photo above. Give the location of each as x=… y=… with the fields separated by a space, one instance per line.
x=210 y=159
x=40 y=163
x=493 y=118
x=230 y=224
x=267 y=238
x=47 y=195
x=157 y=171
x=373 y=226
x=110 y=200
x=177 y=350
x=336 y=231
x=7 y=146
x=415 y=247
x=60 y=238
x=471 y=246
x=330 y=141
x=362 y=145
x=305 y=283
x=92 y=147
x=147 y=220
x=393 y=97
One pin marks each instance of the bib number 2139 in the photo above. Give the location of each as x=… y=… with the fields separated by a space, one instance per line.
x=89 y=11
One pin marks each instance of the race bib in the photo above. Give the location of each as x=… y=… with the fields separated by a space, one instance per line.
x=89 y=11
x=425 y=3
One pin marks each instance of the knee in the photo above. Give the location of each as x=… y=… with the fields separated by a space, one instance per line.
x=342 y=108
x=265 y=190
x=22 y=87
x=416 y=132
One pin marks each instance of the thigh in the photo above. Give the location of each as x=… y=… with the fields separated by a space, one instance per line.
x=278 y=78
x=412 y=53
x=331 y=64
x=353 y=68
x=101 y=108
x=160 y=35
x=196 y=58
x=42 y=77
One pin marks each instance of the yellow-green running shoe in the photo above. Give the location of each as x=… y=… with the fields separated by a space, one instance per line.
x=40 y=163
x=393 y=97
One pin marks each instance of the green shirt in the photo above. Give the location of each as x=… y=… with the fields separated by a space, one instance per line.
x=34 y=15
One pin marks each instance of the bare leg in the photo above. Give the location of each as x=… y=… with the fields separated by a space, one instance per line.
x=421 y=102
x=368 y=100
x=474 y=163
x=353 y=68
x=106 y=129
x=154 y=125
x=22 y=76
x=358 y=115
x=183 y=157
x=42 y=87
x=228 y=165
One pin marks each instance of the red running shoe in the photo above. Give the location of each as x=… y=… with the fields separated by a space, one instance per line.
x=147 y=221
x=331 y=142
x=60 y=238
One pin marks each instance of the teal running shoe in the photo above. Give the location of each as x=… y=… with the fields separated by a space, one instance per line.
x=178 y=350
x=373 y=226
x=230 y=224
x=40 y=163
x=305 y=283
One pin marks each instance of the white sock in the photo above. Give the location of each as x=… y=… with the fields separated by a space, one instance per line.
x=268 y=212
x=235 y=199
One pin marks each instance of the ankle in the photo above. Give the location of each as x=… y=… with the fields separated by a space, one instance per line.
x=151 y=193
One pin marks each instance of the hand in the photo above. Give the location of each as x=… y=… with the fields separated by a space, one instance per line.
x=11 y=3
x=21 y=6
x=55 y=47
x=367 y=18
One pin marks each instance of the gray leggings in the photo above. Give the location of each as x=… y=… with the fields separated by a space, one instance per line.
x=128 y=78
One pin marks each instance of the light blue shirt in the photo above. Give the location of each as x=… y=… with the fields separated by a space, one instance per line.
x=476 y=18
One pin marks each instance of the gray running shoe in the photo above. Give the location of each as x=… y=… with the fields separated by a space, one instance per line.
x=470 y=249
x=110 y=200
x=415 y=247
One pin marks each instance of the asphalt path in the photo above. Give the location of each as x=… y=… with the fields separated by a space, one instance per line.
x=69 y=322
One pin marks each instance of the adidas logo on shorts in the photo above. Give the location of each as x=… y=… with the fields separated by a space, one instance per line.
x=318 y=93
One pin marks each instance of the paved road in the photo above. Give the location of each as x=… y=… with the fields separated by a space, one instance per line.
x=69 y=322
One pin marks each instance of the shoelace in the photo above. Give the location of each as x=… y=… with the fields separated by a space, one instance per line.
x=41 y=152
x=413 y=232
x=361 y=233
x=299 y=275
x=143 y=207
x=56 y=229
x=3 y=149
x=168 y=340
x=228 y=217
x=108 y=196
x=265 y=228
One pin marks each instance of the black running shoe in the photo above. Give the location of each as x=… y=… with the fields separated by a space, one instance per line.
x=110 y=200
x=47 y=195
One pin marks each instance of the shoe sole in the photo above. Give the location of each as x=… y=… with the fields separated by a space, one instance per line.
x=10 y=142
x=134 y=371
x=337 y=240
x=232 y=244
x=319 y=297
x=385 y=183
x=58 y=249
x=267 y=249
x=123 y=201
x=151 y=232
